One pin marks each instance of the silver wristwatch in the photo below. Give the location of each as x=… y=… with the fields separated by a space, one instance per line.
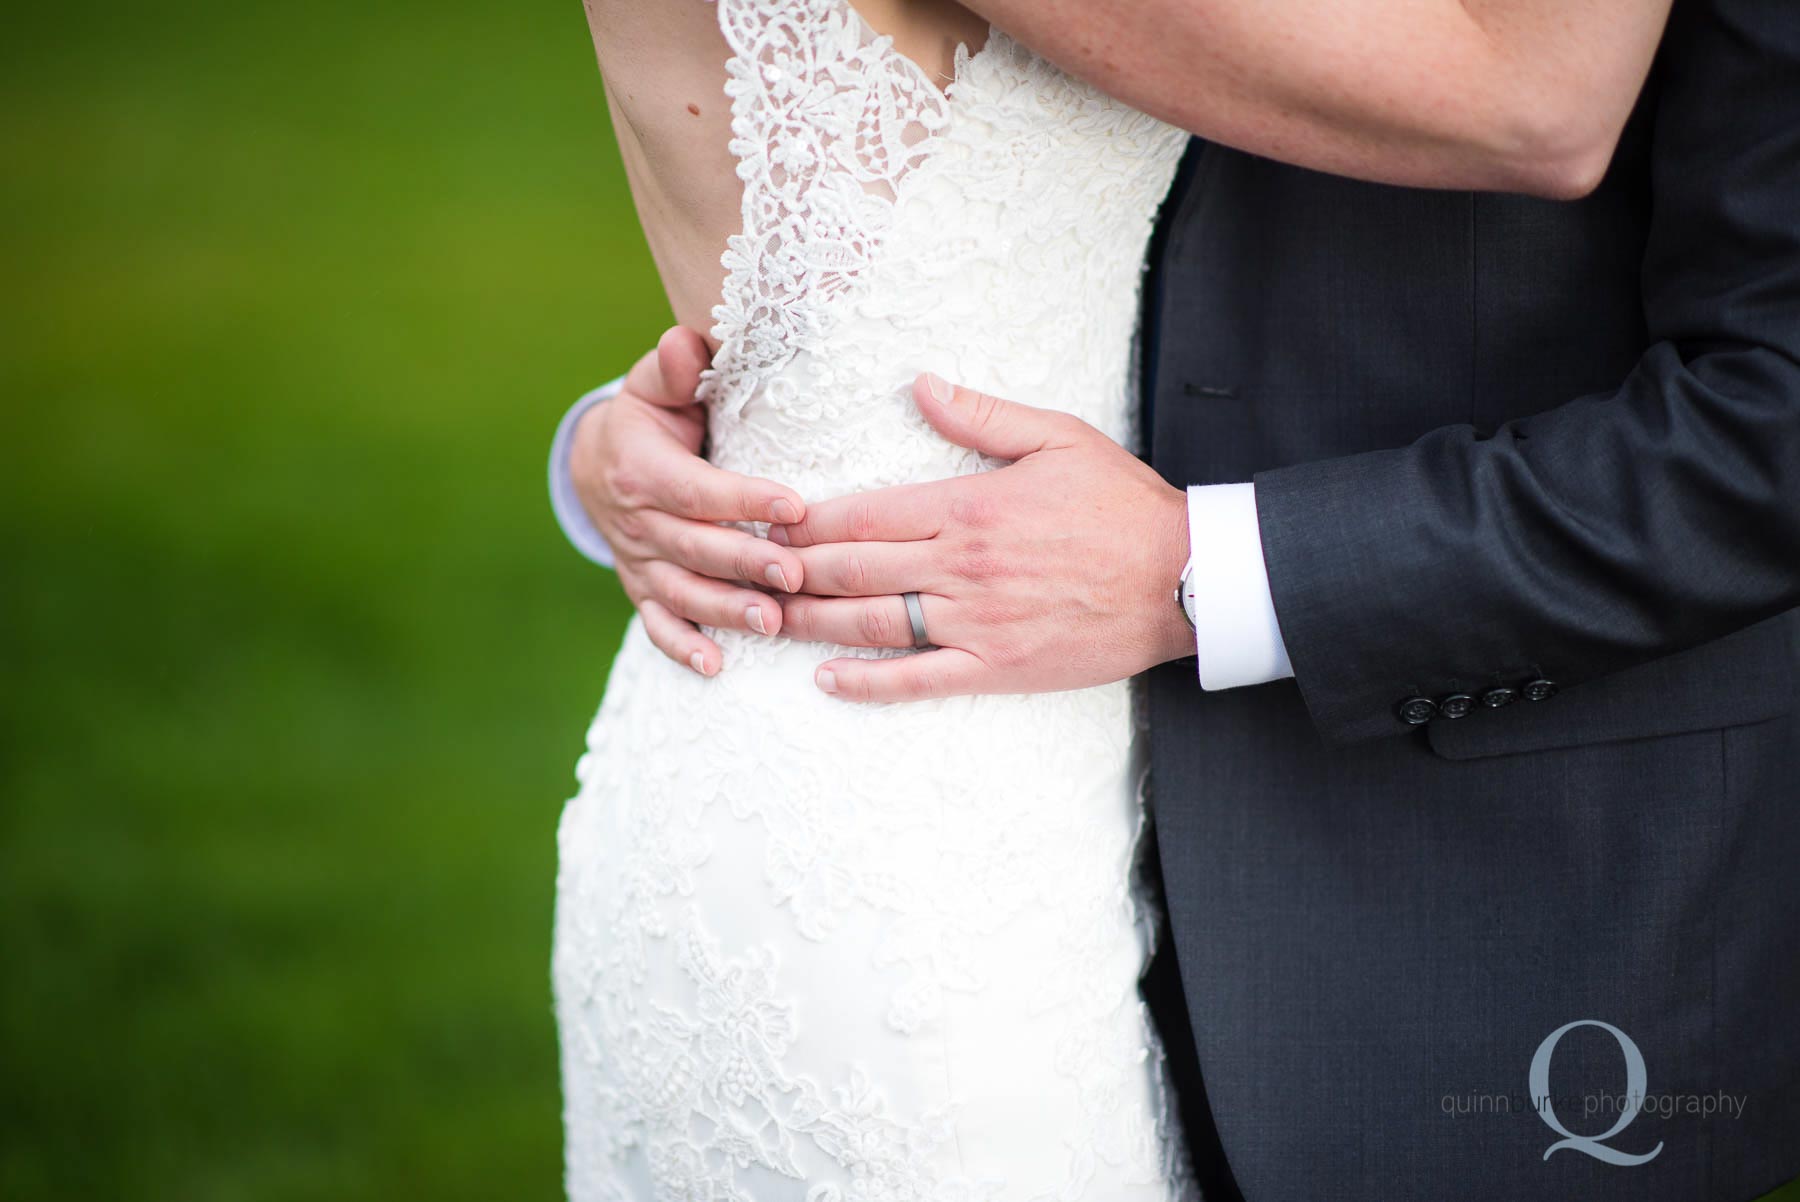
x=1186 y=597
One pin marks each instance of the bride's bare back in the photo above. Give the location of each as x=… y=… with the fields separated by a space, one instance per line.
x=663 y=64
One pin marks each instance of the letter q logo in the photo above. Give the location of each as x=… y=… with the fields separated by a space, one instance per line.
x=1635 y=1080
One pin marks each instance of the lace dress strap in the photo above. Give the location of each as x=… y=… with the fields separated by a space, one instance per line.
x=827 y=122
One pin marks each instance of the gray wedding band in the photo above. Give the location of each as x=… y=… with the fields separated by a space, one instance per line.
x=916 y=614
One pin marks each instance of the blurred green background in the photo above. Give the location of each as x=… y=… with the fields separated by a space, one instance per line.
x=295 y=667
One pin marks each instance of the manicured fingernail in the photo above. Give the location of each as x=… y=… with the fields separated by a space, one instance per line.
x=939 y=388
x=753 y=615
x=781 y=511
x=827 y=680
x=698 y=662
x=779 y=536
x=775 y=576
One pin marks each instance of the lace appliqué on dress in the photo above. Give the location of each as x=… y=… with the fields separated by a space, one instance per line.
x=998 y=223
x=827 y=120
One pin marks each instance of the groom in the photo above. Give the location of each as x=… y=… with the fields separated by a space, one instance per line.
x=1481 y=826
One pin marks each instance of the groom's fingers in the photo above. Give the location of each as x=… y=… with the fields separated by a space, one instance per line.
x=681 y=356
x=710 y=602
x=945 y=672
x=856 y=621
x=689 y=487
x=668 y=375
x=869 y=569
x=1002 y=429
x=903 y=513
x=721 y=552
x=679 y=639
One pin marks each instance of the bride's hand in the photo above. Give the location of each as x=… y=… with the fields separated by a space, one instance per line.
x=1057 y=571
x=636 y=466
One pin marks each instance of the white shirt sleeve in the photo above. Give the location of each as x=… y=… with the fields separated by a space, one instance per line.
x=576 y=526
x=1237 y=638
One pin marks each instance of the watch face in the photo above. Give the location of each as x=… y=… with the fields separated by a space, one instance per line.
x=1190 y=596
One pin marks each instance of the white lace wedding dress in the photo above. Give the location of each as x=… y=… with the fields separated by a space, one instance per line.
x=822 y=951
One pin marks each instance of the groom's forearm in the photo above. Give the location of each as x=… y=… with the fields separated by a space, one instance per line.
x=1613 y=529
x=1570 y=545
x=1502 y=95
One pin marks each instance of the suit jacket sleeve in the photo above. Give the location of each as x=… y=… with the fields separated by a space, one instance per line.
x=1614 y=528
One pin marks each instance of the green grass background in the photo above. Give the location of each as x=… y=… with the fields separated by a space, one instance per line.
x=293 y=664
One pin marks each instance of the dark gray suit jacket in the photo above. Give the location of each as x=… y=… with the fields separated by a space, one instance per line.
x=1528 y=477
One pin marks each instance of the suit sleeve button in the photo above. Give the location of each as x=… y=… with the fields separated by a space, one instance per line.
x=1498 y=696
x=1416 y=711
x=1456 y=705
x=1539 y=689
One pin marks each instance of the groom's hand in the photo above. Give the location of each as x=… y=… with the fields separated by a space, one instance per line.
x=1056 y=571
x=637 y=468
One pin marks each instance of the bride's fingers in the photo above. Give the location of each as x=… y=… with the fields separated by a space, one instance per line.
x=712 y=602
x=680 y=640
x=945 y=672
x=721 y=552
x=858 y=621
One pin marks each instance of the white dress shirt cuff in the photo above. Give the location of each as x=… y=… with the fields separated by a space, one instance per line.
x=1237 y=638
x=577 y=527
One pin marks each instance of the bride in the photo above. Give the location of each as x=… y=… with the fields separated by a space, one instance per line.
x=824 y=951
